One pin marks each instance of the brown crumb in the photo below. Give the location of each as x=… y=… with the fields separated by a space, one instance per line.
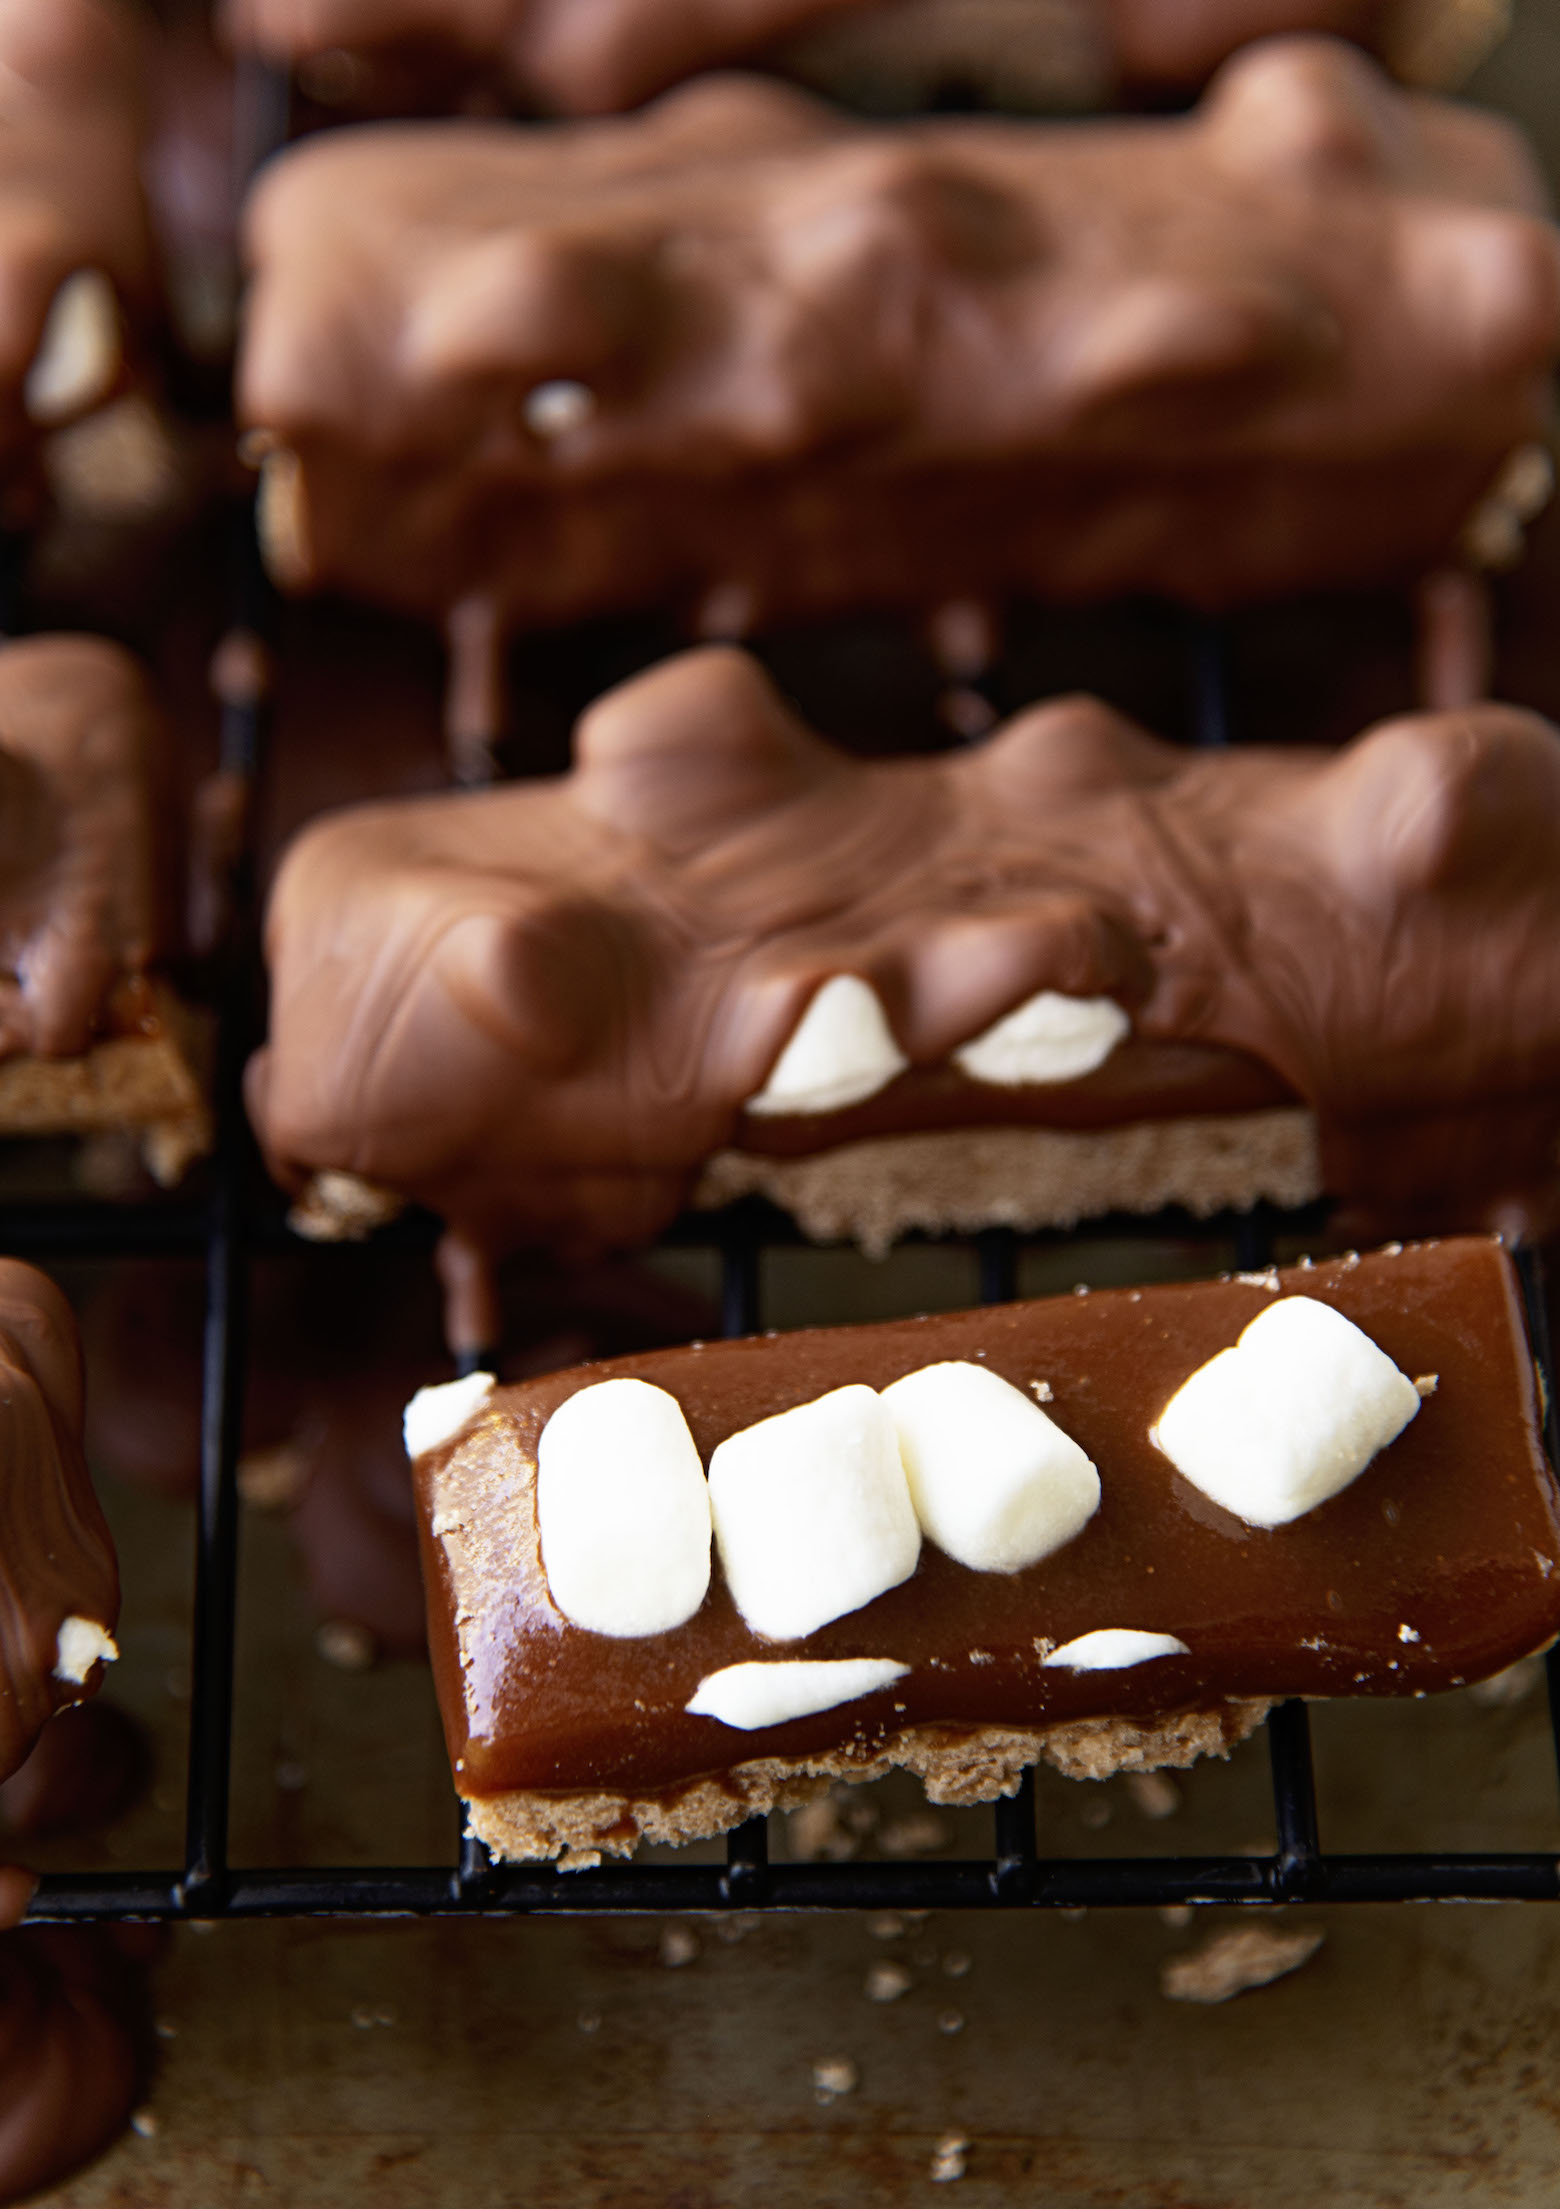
x=887 y=1982
x=815 y=1832
x=1234 y=1961
x=273 y=1479
x=1154 y=1794
x=679 y=1946
x=921 y=1833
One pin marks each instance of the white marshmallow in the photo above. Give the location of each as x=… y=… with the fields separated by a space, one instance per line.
x=812 y=1513
x=995 y=1482
x=754 y=1695
x=841 y=1051
x=79 y=353
x=1114 y=1649
x=78 y=1646
x=623 y=1510
x=436 y=1415
x=1289 y=1416
x=1049 y=1038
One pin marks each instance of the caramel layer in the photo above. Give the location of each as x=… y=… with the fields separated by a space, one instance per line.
x=1452 y=1533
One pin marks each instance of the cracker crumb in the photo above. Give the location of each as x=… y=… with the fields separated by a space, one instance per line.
x=679 y=1946
x=588 y=2022
x=833 y=2076
x=273 y=1479
x=887 y=1982
x=956 y=1963
x=1234 y=1961
x=144 y=2124
x=346 y=1645
x=950 y=2022
x=1177 y=1915
x=921 y=1833
x=950 y=2157
x=888 y=1925
x=1154 y=1794
x=1043 y=1392
x=815 y=1833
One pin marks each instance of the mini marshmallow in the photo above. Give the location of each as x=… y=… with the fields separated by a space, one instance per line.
x=1049 y=1038
x=995 y=1482
x=78 y=1646
x=623 y=1510
x=1289 y=1416
x=1114 y=1649
x=812 y=1511
x=436 y=1415
x=753 y=1695
x=841 y=1051
x=79 y=354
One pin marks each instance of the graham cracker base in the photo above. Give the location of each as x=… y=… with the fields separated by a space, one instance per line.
x=957 y=1180
x=957 y=1764
x=146 y=1081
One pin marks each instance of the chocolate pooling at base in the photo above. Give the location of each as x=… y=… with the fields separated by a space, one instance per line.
x=739 y=354
x=540 y=1010
x=72 y=2029
x=1440 y=1564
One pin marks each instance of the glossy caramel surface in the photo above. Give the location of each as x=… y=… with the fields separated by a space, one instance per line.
x=1452 y=1532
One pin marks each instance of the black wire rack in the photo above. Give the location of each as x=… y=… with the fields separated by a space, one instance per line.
x=239 y=1218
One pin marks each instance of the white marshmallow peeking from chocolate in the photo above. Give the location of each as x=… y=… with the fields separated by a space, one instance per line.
x=80 y=352
x=1049 y=1038
x=1114 y=1649
x=78 y=1646
x=749 y=1696
x=841 y=1052
x=436 y=1415
x=1289 y=1416
x=812 y=1513
x=995 y=1482
x=623 y=1510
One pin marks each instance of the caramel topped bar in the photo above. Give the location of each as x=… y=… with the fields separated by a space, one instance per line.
x=1439 y=1564
x=59 y=1582
x=541 y=1010
x=739 y=354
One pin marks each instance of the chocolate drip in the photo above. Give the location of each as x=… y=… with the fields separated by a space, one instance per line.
x=71 y=2013
x=739 y=354
x=538 y=1010
x=1452 y=1533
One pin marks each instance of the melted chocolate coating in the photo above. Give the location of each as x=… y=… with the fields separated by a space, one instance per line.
x=70 y=186
x=56 y=1554
x=591 y=57
x=80 y=897
x=538 y=1009
x=1283 y=343
x=1454 y=1530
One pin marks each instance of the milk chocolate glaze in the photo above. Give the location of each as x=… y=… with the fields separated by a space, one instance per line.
x=538 y=1009
x=1452 y=1531
x=586 y=57
x=740 y=354
x=56 y=1554
x=70 y=191
x=81 y=902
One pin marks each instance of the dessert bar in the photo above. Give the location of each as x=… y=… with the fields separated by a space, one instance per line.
x=1133 y=1537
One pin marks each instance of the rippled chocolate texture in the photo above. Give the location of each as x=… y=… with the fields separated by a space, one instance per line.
x=594 y=56
x=71 y=132
x=1453 y=1532
x=538 y=1010
x=738 y=353
x=56 y=1554
x=90 y=1037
